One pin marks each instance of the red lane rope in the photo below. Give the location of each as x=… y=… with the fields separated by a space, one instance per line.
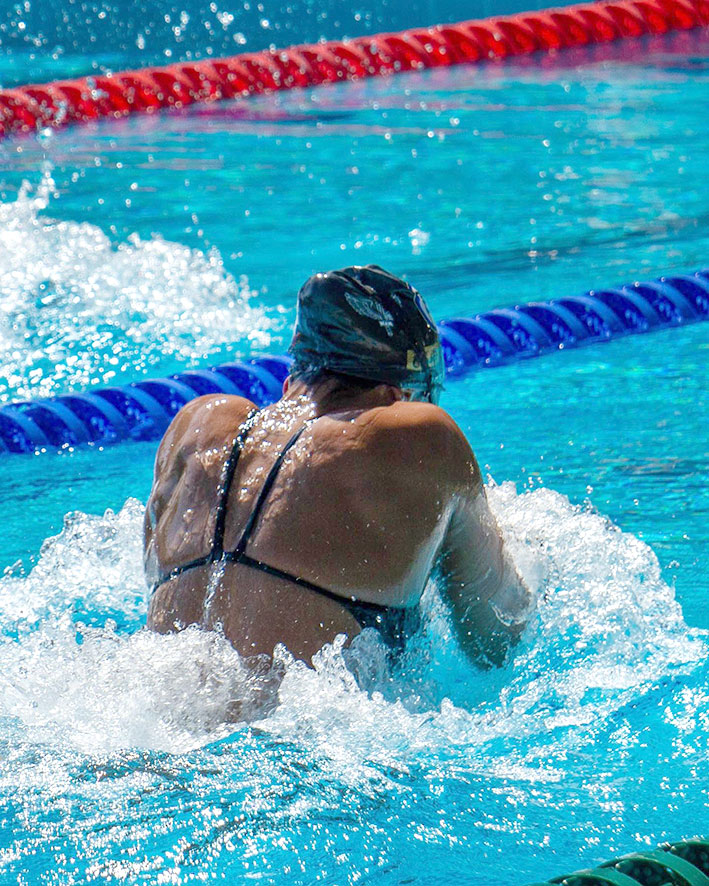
x=28 y=108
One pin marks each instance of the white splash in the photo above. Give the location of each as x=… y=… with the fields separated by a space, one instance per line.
x=606 y=626
x=76 y=309
x=95 y=562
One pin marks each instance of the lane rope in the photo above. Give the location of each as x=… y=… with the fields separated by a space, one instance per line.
x=684 y=863
x=36 y=107
x=143 y=409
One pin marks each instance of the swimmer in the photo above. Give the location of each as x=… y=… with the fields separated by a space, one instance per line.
x=328 y=511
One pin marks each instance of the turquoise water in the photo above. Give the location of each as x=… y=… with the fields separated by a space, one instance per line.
x=138 y=247
x=46 y=41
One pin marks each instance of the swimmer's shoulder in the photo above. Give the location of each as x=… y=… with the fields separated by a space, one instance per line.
x=205 y=422
x=425 y=436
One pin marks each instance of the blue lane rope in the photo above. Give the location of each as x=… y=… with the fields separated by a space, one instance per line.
x=142 y=410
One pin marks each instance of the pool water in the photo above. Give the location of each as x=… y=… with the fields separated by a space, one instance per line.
x=50 y=41
x=136 y=248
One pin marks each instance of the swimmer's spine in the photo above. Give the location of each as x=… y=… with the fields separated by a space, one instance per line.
x=142 y=410
x=684 y=863
x=35 y=107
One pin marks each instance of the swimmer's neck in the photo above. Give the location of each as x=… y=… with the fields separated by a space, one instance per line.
x=330 y=395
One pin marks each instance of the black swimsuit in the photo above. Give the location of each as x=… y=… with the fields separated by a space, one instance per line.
x=394 y=623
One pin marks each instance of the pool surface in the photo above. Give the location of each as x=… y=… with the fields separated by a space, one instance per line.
x=136 y=248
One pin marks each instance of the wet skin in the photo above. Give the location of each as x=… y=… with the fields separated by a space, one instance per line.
x=376 y=492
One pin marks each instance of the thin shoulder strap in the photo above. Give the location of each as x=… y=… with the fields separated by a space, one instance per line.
x=226 y=481
x=227 y=476
x=263 y=495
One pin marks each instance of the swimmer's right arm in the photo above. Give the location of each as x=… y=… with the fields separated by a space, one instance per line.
x=202 y=424
x=488 y=599
x=177 y=445
x=165 y=476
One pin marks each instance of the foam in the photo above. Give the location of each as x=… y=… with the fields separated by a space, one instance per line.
x=78 y=309
x=606 y=627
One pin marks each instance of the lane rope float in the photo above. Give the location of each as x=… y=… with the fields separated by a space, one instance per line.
x=143 y=409
x=36 y=107
x=684 y=863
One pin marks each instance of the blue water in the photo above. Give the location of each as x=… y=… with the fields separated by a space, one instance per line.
x=46 y=41
x=138 y=247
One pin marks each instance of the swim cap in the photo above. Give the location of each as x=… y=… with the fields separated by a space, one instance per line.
x=364 y=322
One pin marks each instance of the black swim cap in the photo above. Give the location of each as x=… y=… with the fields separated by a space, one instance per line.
x=364 y=322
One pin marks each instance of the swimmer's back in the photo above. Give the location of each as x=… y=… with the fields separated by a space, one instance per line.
x=363 y=505
x=359 y=506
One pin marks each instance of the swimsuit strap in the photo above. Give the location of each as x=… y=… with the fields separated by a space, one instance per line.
x=254 y=563
x=225 y=484
x=394 y=623
x=239 y=550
